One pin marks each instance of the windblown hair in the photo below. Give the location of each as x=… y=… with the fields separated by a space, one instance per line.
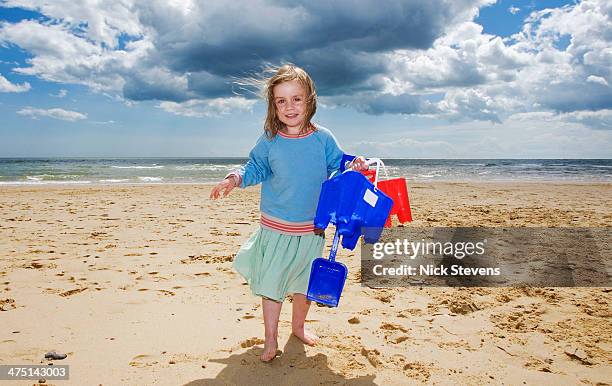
x=274 y=75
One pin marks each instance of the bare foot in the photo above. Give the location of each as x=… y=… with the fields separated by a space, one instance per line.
x=270 y=350
x=306 y=336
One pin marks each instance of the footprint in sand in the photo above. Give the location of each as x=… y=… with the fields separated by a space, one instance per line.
x=400 y=339
x=251 y=342
x=418 y=370
x=7 y=304
x=143 y=360
x=392 y=327
x=373 y=356
x=384 y=297
x=390 y=331
x=72 y=292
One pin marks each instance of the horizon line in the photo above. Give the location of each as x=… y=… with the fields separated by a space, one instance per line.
x=246 y=157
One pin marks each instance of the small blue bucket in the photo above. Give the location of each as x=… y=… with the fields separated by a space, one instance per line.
x=355 y=206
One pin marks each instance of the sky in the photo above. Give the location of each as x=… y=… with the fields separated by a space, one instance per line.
x=410 y=79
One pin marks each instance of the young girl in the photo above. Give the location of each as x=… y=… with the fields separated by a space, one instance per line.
x=291 y=159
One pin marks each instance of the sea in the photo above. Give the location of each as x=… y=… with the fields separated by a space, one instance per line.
x=111 y=171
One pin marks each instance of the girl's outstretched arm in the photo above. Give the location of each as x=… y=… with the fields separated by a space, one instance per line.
x=226 y=185
x=256 y=170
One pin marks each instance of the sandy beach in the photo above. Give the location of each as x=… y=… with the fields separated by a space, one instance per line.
x=134 y=283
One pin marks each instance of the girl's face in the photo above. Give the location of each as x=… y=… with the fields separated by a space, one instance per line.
x=290 y=102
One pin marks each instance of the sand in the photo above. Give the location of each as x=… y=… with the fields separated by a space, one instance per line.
x=134 y=284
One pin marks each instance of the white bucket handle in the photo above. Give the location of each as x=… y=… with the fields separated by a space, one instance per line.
x=370 y=161
x=378 y=163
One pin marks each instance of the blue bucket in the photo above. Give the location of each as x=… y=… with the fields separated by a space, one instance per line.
x=327 y=278
x=355 y=206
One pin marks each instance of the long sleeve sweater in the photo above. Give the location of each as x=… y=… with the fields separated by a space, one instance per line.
x=291 y=169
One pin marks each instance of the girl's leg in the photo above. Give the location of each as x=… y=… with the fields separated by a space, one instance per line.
x=271 y=314
x=300 y=309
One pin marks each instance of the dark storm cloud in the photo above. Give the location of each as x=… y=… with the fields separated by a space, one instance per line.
x=391 y=104
x=197 y=50
x=137 y=88
x=338 y=71
x=339 y=42
x=566 y=97
x=205 y=83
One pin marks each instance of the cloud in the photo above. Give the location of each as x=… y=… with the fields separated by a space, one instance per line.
x=406 y=147
x=102 y=22
x=522 y=135
x=157 y=83
x=514 y=10
x=55 y=113
x=208 y=108
x=136 y=49
x=395 y=59
x=7 y=86
x=60 y=94
x=470 y=103
x=597 y=79
x=485 y=77
x=601 y=119
x=558 y=77
x=276 y=30
x=378 y=104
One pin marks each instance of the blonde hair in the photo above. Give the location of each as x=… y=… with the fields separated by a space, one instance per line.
x=272 y=76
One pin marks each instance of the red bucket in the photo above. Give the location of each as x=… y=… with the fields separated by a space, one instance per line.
x=397 y=190
x=370 y=174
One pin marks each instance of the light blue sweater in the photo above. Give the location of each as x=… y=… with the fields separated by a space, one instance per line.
x=291 y=170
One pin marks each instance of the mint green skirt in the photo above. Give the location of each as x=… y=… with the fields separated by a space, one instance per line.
x=275 y=265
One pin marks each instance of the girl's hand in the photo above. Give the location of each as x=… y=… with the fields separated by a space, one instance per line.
x=359 y=163
x=226 y=186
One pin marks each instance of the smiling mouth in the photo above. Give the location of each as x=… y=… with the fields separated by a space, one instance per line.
x=291 y=116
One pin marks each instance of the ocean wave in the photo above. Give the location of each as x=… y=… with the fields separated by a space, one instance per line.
x=115 y=180
x=599 y=166
x=151 y=179
x=528 y=165
x=53 y=177
x=137 y=167
x=206 y=167
x=428 y=175
x=38 y=182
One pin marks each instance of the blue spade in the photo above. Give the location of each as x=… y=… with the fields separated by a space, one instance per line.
x=327 y=278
